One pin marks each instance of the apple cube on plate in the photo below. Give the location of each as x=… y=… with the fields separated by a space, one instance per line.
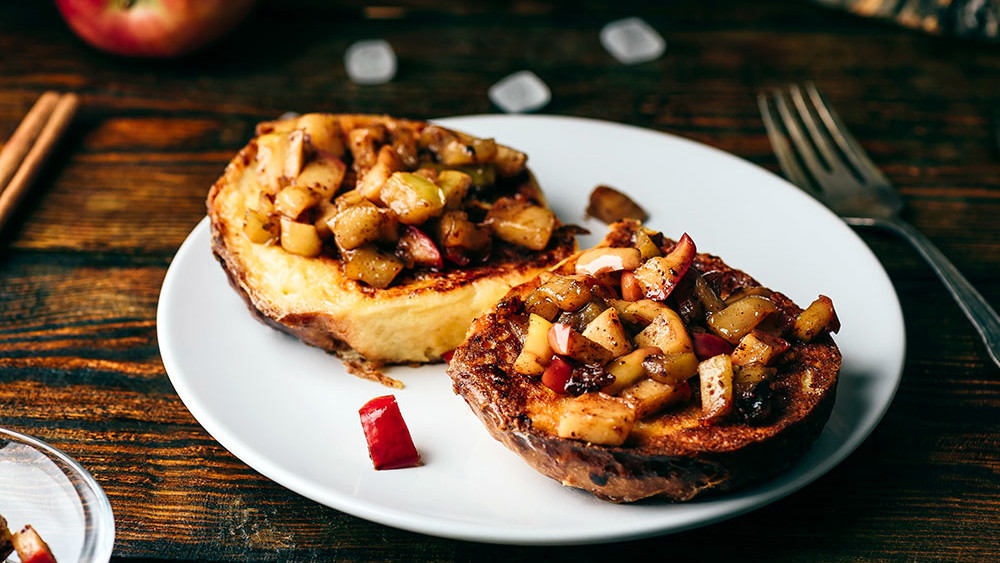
x=389 y=443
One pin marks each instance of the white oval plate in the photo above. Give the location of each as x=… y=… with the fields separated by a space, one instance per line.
x=290 y=411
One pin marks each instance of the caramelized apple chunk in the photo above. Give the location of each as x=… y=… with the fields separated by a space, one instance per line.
x=522 y=223
x=597 y=418
x=818 y=318
x=610 y=205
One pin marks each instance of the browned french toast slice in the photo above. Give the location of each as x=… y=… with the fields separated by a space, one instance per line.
x=642 y=368
x=378 y=238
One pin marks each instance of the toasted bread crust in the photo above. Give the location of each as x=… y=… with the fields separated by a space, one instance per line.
x=415 y=320
x=669 y=455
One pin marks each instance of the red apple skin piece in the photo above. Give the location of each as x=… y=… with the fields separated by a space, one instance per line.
x=31 y=548
x=422 y=248
x=559 y=335
x=676 y=264
x=557 y=374
x=683 y=392
x=707 y=345
x=152 y=28
x=389 y=443
x=630 y=287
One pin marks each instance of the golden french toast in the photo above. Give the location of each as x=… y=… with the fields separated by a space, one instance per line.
x=377 y=238
x=642 y=368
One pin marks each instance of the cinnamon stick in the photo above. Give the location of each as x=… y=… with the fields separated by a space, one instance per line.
x=24 y=155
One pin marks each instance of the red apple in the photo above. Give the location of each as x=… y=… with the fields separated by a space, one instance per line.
x=152 y=28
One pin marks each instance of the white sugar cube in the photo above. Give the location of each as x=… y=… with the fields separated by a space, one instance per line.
x=520 y=92
x=632 y=41
x=370 y=62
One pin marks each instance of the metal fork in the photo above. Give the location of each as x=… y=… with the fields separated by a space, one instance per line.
x=818 y=154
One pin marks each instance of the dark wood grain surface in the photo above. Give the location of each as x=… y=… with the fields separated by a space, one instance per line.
x=81 y=266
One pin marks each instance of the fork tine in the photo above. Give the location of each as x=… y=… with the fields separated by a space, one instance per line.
x=847 y=143
x=782 y=149
x=803 y=147
x=819 y=134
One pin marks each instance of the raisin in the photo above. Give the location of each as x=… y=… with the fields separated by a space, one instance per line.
x=588 y=378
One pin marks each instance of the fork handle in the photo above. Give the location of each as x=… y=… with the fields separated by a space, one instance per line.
x=972 y=303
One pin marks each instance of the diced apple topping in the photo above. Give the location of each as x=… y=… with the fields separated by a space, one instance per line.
x=644 y=243
x=386 y=164
x=818 y=318
x=618 y=357
x=707 y=345
x=716 y=375
x=648 y=396
x=557 y=374
x=597 y=418
x=569 y=294
x=522 y=223
x=658 y=275
x=667 y=332
x=300 y=238
x=296 y=157
x=607 y=330
x=291 y=201
x=331 y=184
x=322 y=175
x=630 y=286
x=671 y=368
x=758 y=346
x=536 y=353
x=628 y=369
x=259 y=227
x=413 y=198
x=371 y=266
x=455 y=185
x=359 y=224
x=598 y=261
x=738 y=319
x=566 y=341
x=323 y=133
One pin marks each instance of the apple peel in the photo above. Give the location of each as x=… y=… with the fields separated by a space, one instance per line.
x=389 y=442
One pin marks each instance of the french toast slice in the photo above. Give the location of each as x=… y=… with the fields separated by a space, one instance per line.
x=694 y=382
x=376 y=238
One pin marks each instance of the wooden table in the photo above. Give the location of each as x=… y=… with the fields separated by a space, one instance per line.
x=81 y=267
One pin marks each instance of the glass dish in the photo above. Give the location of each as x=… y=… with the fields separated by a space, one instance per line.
x=44 y=487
